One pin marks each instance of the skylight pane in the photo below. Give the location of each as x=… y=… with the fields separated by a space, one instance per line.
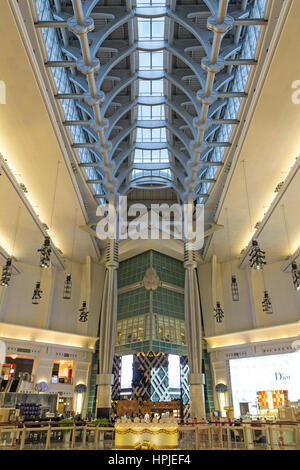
x=157 y=87
x=151 y=87
x=152 y=113
x=144 y=29
x=157 y=28
x=151 y=156
x=146 y=3
x=144 y=60
x=145 y=87
x=138 y=156
x=151 y=135
x=157 y=60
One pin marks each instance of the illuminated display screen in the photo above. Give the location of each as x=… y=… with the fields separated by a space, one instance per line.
x=253 y=374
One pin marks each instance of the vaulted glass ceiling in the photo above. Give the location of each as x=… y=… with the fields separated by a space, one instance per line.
x=151 y=91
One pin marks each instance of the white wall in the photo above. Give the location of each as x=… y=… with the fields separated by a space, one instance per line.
x=247 y=312
x=53 y=312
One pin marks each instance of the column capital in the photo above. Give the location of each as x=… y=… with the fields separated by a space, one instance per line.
x=112 y=265
x=190 y=264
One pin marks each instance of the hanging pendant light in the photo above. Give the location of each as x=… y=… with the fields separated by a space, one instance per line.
x=296 y=276
x=83 y=317
x=257 y=256
x=45 y=253
x=219 y=315
x=67 y=287
x=67 y=292
x=234 y=289
x=266 y=303
x=234 y=285
x=6 y=273
x=37 y=294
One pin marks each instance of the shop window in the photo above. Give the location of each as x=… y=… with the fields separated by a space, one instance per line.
x=16 y=367
x=62 y=372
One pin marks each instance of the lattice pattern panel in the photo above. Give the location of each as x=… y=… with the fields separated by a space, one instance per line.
x=159 y=384
x=186 y=411
x=115 y=393
x=142 y=367
x=185 y=388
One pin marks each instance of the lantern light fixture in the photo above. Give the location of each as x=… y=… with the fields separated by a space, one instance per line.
x=266 y=303
x=257 y=256
x=234 y=289
x=45 y=253
x=6 y=273
x=37 y=294
x=296 y=276
x=219 y=313
x=67 y=287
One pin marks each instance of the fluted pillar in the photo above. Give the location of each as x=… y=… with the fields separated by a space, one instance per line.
x=193 y=329
x=108 y=324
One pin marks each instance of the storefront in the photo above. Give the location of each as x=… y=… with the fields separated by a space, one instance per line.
x=13 y=370
x=62 y=372
x=261 y=385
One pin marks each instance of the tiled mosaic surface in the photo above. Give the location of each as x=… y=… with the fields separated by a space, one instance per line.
x=209 y=397
x=93 y=381
x=133 y=303
x=167 y=302
x=133 y=269
x=168 y=269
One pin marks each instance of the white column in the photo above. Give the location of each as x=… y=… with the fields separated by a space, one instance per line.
x=81 y=377
x=220 y=375
x=193 y=329
x=108 y=326
x=43 y=370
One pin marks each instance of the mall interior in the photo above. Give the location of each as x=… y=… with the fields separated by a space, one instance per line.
x=135 y=106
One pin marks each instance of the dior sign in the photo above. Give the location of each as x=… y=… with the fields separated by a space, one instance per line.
x=162 y=221
x=281 y=376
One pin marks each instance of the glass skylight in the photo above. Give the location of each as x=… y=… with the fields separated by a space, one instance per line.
x=147 y=3
x=150 y=173
x=151 y=135
x=151 y=29
x=151 y=60
x=151 y=87
x=151 y=156
x=151 y=113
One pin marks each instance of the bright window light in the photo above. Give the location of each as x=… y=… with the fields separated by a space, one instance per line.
x=151 y=87
x=147 y=3
x=151 y=29
x=151 y=113
x=151 y=135
x=151 y=60
x=174 y=371
x=151 y=156
x=151 y=173
x=126 y=371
